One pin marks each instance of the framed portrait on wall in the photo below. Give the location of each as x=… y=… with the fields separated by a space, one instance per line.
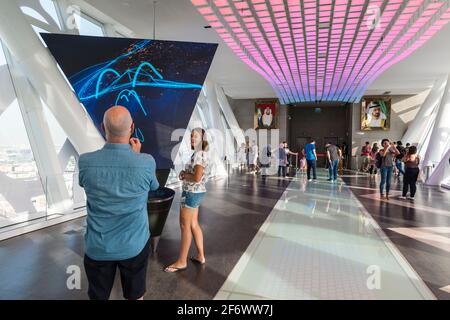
x=375 y=113
x=266 y=114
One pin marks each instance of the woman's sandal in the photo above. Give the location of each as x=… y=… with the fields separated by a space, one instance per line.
x=195 y=260
x=166 y=269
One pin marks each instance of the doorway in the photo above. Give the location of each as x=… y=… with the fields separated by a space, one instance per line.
x=324 y=123
x=300 y=143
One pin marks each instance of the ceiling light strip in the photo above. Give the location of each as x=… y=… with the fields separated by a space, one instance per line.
x=427 y=31
x=320 y=49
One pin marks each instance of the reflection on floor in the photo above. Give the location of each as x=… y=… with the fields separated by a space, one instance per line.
x=419 y=229
x=33 y=266
x=318 y=243
x=265 y=239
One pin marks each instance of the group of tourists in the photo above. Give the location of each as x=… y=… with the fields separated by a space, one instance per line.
x=392 y=159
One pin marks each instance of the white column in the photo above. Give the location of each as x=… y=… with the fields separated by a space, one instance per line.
x=441 y=173
x=440 y=134
x=417 y=128
x=40 y=67
x=215 y=141
x=229 y=115
x=214 y=107
x=425 y=138
x=40 y=138
x=218 y=130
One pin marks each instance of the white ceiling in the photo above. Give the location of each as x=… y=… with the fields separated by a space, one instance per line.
x=179 y=20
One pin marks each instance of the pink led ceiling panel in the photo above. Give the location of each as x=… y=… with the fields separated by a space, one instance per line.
x=323 y=50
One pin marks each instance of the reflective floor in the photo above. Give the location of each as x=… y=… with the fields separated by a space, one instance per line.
x=419 y=229
x=319 y=243
x=267 y=239
x=35 y=265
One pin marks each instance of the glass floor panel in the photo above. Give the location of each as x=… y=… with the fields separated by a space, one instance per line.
x=320 y=243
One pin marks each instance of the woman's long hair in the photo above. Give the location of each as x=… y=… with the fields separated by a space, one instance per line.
x=375 y=148
x=205 y=144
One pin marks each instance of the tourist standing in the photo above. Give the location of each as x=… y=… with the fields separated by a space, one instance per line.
x=311 y=159
x=333 y=156
x=194 y=179
x=399 y=158
x=365 y=157
x=388 y=154
x=373 y=154
x=411 y=160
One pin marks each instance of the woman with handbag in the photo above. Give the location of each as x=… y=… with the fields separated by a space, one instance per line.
x=411 y=160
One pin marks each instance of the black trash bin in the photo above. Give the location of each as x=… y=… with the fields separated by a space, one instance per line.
x=158 y=208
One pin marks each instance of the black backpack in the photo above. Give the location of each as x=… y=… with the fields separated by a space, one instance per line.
x=402 y=151
x=378 y=160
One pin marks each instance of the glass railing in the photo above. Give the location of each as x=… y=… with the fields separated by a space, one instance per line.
x=27 y=200
x=63 y=194
x=21 y=199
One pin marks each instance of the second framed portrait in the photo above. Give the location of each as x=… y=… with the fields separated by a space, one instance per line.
x=375 y=113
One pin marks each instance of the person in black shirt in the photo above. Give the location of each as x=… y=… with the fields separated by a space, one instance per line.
x=344 y=149
x=398 y=158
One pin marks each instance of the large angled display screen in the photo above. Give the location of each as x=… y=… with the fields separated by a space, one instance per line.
x=158 y=81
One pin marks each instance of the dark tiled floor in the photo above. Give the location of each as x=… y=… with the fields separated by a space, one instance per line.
x=33 y=266
x=429 y=210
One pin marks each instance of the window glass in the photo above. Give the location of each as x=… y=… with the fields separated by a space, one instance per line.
x=50 y=7
x=88 y=26
x=21 y=193
x=34 y=14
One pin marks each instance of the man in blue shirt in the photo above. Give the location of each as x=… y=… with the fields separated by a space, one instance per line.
x=311 y=159
x=117 y=180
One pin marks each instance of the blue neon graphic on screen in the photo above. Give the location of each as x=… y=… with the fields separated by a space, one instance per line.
x=157 y=81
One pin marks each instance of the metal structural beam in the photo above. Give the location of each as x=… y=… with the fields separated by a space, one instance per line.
x=440 y=135
x=418 y=128
x=41 y=69
x=229 y=116
x=441 y=173
x=40 y=138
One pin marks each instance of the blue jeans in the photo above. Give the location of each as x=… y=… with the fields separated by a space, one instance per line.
x=333 y=169
x=282 y=171
x=191 y=200
x=311 y=164
x=386 y=175
x=399 y=165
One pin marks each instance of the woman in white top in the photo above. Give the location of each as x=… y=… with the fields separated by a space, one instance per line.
x=194 y=178
x=253 y=157
x=241 y=156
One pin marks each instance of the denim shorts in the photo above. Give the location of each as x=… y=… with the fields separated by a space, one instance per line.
x=191 y=200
